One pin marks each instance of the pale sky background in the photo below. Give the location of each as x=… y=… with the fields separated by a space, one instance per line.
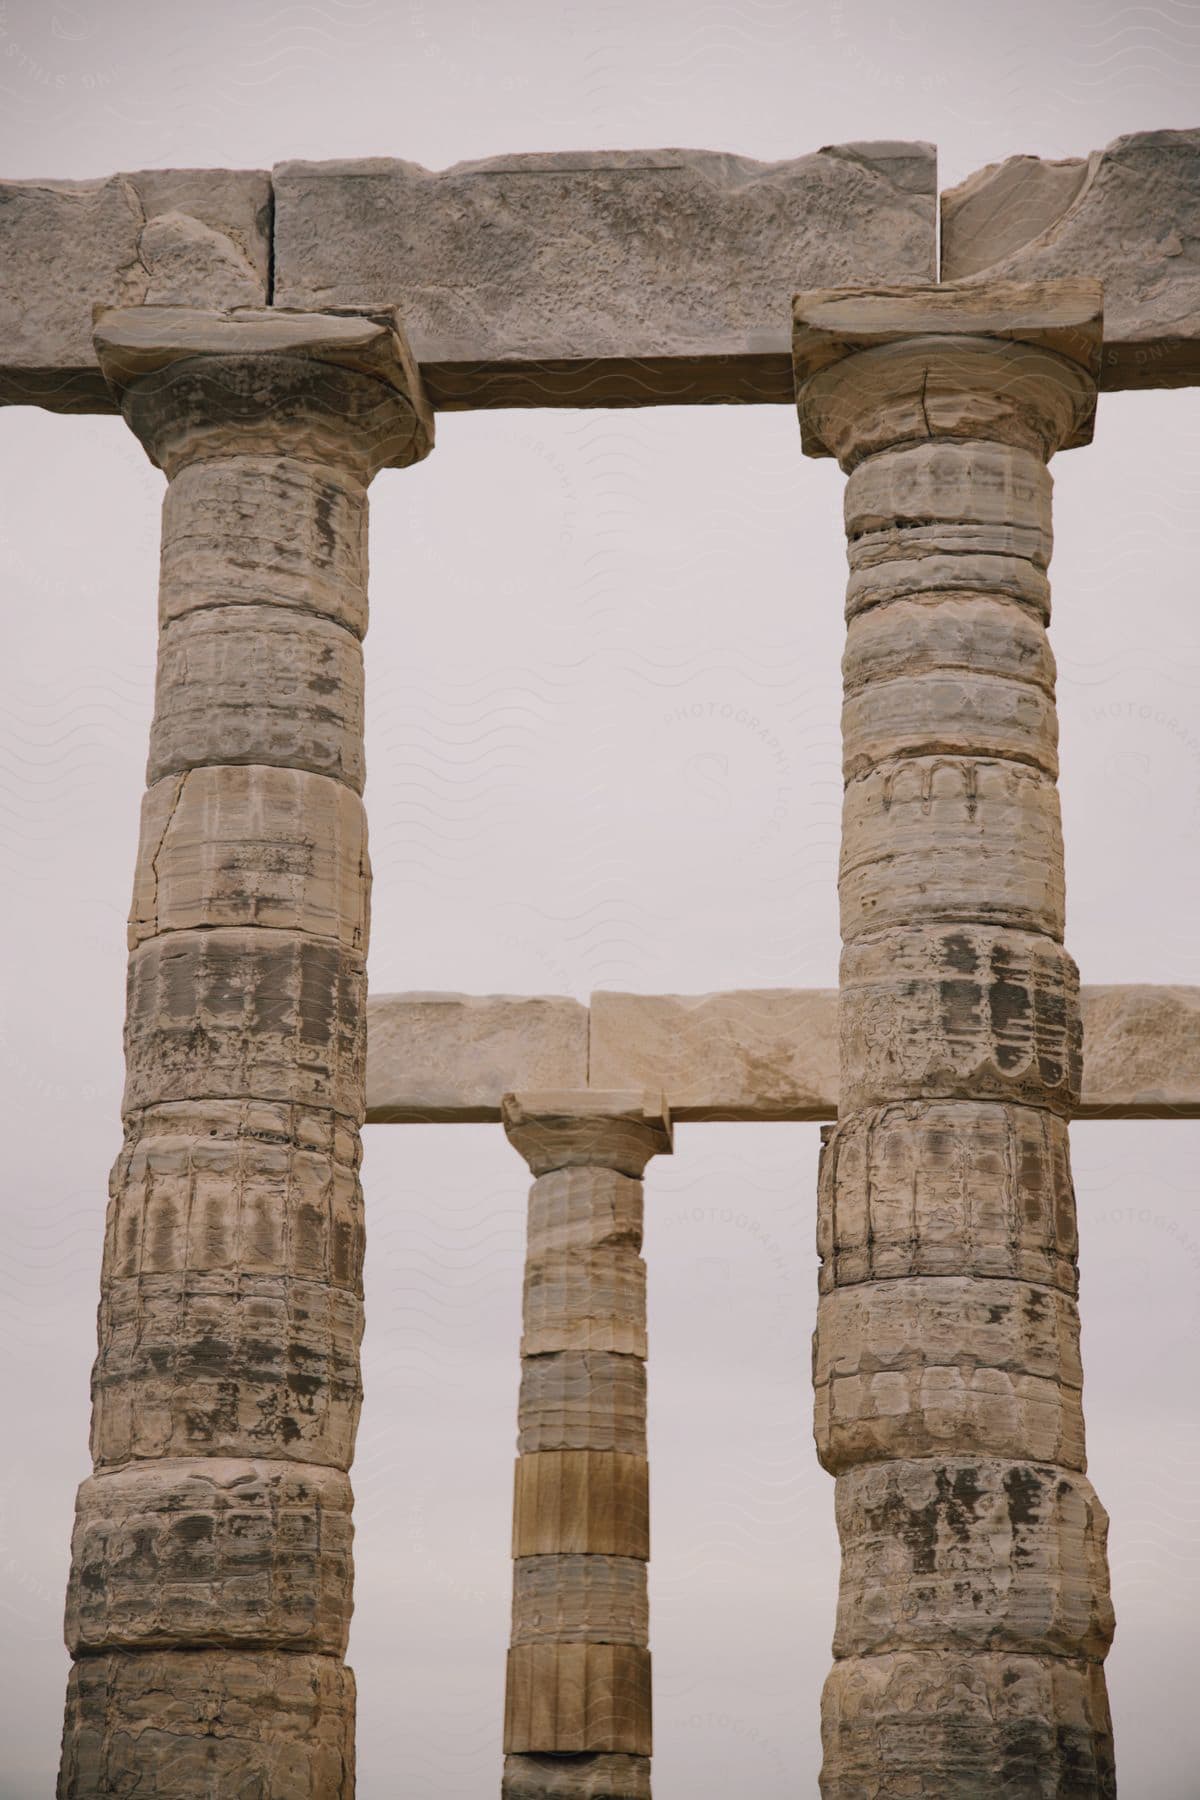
x=552 y=594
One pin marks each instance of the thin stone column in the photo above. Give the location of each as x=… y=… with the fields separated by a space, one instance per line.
x=974 y=1610
x=210 y=1588
x=577 y=1711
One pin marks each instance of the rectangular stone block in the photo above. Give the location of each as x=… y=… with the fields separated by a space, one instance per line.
x=578 y=1697
x=1129 y=214
x=971 y=1554
x=941 y=1365
x=590 y=1502
x=596 y=1777
x=959 y=1012
x=944 y=1725
x=207 y=1552
x=243 y=684
x=768 y=1053
x=602 y=278
x=580 y=1600
x=451 y=1058
x=1141 y=1053
x=582 y=1400
x=199 y=237
x=575 y=1210
x=245 y=1014
x=943 y=1187
x=185 y=1725
x=250 y=844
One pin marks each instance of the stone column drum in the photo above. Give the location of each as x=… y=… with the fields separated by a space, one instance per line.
x=577 y=1710
x=210 y=1588
x=974 y=1610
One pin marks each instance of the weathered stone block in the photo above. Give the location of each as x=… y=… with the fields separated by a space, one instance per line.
x=255 y=1187
x=252 y=845
x=578 y=1697
x=1129 y=213
x=269 y=1015
x=585 y=1300
x=188 y=1725
x=1141 y=1053
x=601 y=278
x=587 y=1128
x=947 y=1188
x=971 y=1554
x=960 y=486
x=948 y=714
x=977 y=632
x=258 y=684
x=590 y=1502
x=582 y=1400
x=576 y=1778
x=211 y=1552
x=453 y=1057
x=226 y=1363
x=265 y=531
x=951 y=837
x=572 y=1211
x=946 y=1365
x=940 y=1725
x=152 y=236
x=580 y=1600
x=959 y=1012
x=756 y=1053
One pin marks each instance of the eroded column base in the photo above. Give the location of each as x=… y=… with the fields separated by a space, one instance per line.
x=576 y=1778
x=200 y=1725
x=939 y=1725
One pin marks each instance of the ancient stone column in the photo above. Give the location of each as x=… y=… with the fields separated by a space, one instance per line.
x=210 y=1588
x=974 y=1610
x=577 y=1710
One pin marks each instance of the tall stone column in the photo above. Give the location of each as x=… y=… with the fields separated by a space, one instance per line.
x=974 y=1610
x=210 y=1588
x=577 y=1710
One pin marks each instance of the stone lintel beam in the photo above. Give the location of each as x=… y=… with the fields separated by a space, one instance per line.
x=1129 y=214
x=750 y=1055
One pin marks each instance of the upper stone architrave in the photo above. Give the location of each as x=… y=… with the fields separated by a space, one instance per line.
x=1128 y=215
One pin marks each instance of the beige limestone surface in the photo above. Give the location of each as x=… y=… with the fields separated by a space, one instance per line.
x=439 y=1057
x=1129 y=214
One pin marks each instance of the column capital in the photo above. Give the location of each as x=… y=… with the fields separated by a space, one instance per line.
x=569 y=1128
x=1003 y=361
x=319 y=386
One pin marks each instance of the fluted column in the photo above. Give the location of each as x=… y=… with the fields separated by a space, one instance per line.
x=577 y=1710
x=210 y=1588
x=974 y=1610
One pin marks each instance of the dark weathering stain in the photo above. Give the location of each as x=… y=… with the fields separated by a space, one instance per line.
x=919 y=1528
x=960 y=954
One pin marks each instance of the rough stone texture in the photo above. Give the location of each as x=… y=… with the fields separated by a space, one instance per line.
x=578 y=1697
x=582 y=1400
x=959 y=1012
x=576 y=1778
x=934 y=1725
x=914 y=832
x=587 y=1502
x=578 y=1671
x=580 y=1599
x=227 y=1380
x=162 y=235
x=947 y=1365
x=947 y=1188
x=211 y=705
x=265 y=531
x=971 y=1554
x=1141 y=1053
x=1129 y=213
x=452 y=1057
x=252 y=845
x=188 y=1725
x=216 y=1014
x=601 y=278
x=766 y=1053
x=204 y=1551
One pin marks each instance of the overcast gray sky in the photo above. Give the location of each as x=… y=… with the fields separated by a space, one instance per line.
x=552 y=593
